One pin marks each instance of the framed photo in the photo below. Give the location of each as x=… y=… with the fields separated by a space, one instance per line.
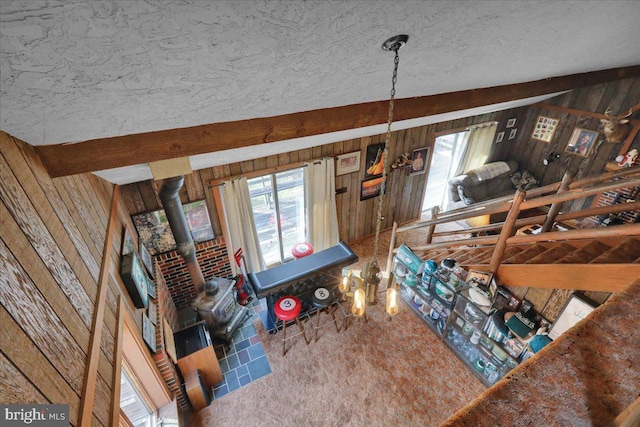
x=511 y=122
x=479 y=278
x=575 y=309
x=149 y=332
x=419 y=161
x=155 y=234
x=146 y=258
x=582 y=142
x=348 y=163
x=370 y=188
x=544 y=128
x=499 y=137
x=374 y=161
x=512 y=134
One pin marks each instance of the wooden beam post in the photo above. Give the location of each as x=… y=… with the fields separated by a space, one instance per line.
x=91 y=369
x=434 y=215
x=555 y=207
x=507 y=231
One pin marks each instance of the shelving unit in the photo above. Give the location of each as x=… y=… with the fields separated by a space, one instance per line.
x=461 y=324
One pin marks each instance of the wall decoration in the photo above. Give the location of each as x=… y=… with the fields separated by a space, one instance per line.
x=544 y=128
x=370 y=188
x=149 y=332
x=499 y=137
x=582 y=142
x=155 y=234
x=575 y=309
x=146 y=258
x=151 y=288
x=152 y=312
x=374 y=162
x=347 y=163
x=419 y=161
x=512 y=134
x=169 y=343
x=127 y=242
x=511 y=122
x=135 y=279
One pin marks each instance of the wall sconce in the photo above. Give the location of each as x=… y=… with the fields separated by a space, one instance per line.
x=550 y=158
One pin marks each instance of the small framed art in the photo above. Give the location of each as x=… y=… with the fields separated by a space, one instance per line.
x=499 y=137
x=544 y=128
x=370 y=188
x=575 y=309
x=374 y=161
x=512 y=133
x=419 y=161
x=511 y=122
x=347 y=163
x=582 y=142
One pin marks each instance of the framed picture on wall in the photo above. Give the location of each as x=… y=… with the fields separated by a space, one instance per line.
x=155 y=234
x=347 y=163
x=511 y=122
x=419 y=161
x=544 y=128
x=370 y=188
x=127 y=242
x=512 y=133
x=499 y=137
x=146 y=258
x=582 y=142
x=374 y=161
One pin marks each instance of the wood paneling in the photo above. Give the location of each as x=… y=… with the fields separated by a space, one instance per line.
x=52 y=233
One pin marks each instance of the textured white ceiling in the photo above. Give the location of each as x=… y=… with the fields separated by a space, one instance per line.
x=78 y=70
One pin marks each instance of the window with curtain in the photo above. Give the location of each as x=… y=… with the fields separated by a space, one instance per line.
x=478 y=147
x=277 y=201
x=267 y=215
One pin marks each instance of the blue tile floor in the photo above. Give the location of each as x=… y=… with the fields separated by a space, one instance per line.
x=244 y=359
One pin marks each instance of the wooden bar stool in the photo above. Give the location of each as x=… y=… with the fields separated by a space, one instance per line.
x=286 y=309
x=324 y=300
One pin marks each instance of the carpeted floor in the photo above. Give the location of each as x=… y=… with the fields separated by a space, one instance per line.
x=378 y=373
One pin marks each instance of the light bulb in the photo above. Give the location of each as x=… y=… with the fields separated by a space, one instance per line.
x=344 y=285
x=392 y=301
x=358 y=302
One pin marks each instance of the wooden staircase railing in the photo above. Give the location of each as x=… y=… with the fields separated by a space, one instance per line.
x=534 y=198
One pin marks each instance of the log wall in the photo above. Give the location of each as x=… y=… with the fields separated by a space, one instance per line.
x=52 y=233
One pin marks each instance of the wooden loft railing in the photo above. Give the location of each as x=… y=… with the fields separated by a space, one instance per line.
x=535 y=198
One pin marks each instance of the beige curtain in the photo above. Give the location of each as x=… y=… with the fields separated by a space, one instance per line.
x=478 y=147
x=320 y=204
x=239 y=218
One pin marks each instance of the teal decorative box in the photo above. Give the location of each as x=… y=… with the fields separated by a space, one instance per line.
x=410 y=260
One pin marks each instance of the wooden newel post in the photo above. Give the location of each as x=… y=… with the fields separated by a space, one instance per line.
x=507 y=231
x=434 y=215
x=554 y=210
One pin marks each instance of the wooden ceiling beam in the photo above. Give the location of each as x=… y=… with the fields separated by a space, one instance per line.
x=108 y=153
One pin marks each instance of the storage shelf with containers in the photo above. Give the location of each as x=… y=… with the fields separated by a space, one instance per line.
x=468 y=322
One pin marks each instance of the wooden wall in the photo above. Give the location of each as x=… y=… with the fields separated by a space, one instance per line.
x=356 y=218
x=52 y=235
x=619 y=96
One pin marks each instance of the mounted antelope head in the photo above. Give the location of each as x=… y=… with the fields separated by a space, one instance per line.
x=617 y=128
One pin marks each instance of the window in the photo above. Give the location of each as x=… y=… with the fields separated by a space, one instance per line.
x=133 y=405
x=280 y=195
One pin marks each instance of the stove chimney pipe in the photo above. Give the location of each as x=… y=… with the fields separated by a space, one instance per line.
x=169 y=195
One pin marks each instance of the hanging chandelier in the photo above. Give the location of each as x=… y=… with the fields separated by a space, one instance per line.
x=363 y=287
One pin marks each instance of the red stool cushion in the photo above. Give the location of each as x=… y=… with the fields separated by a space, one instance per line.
x=301 y=250
x=287 y=308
